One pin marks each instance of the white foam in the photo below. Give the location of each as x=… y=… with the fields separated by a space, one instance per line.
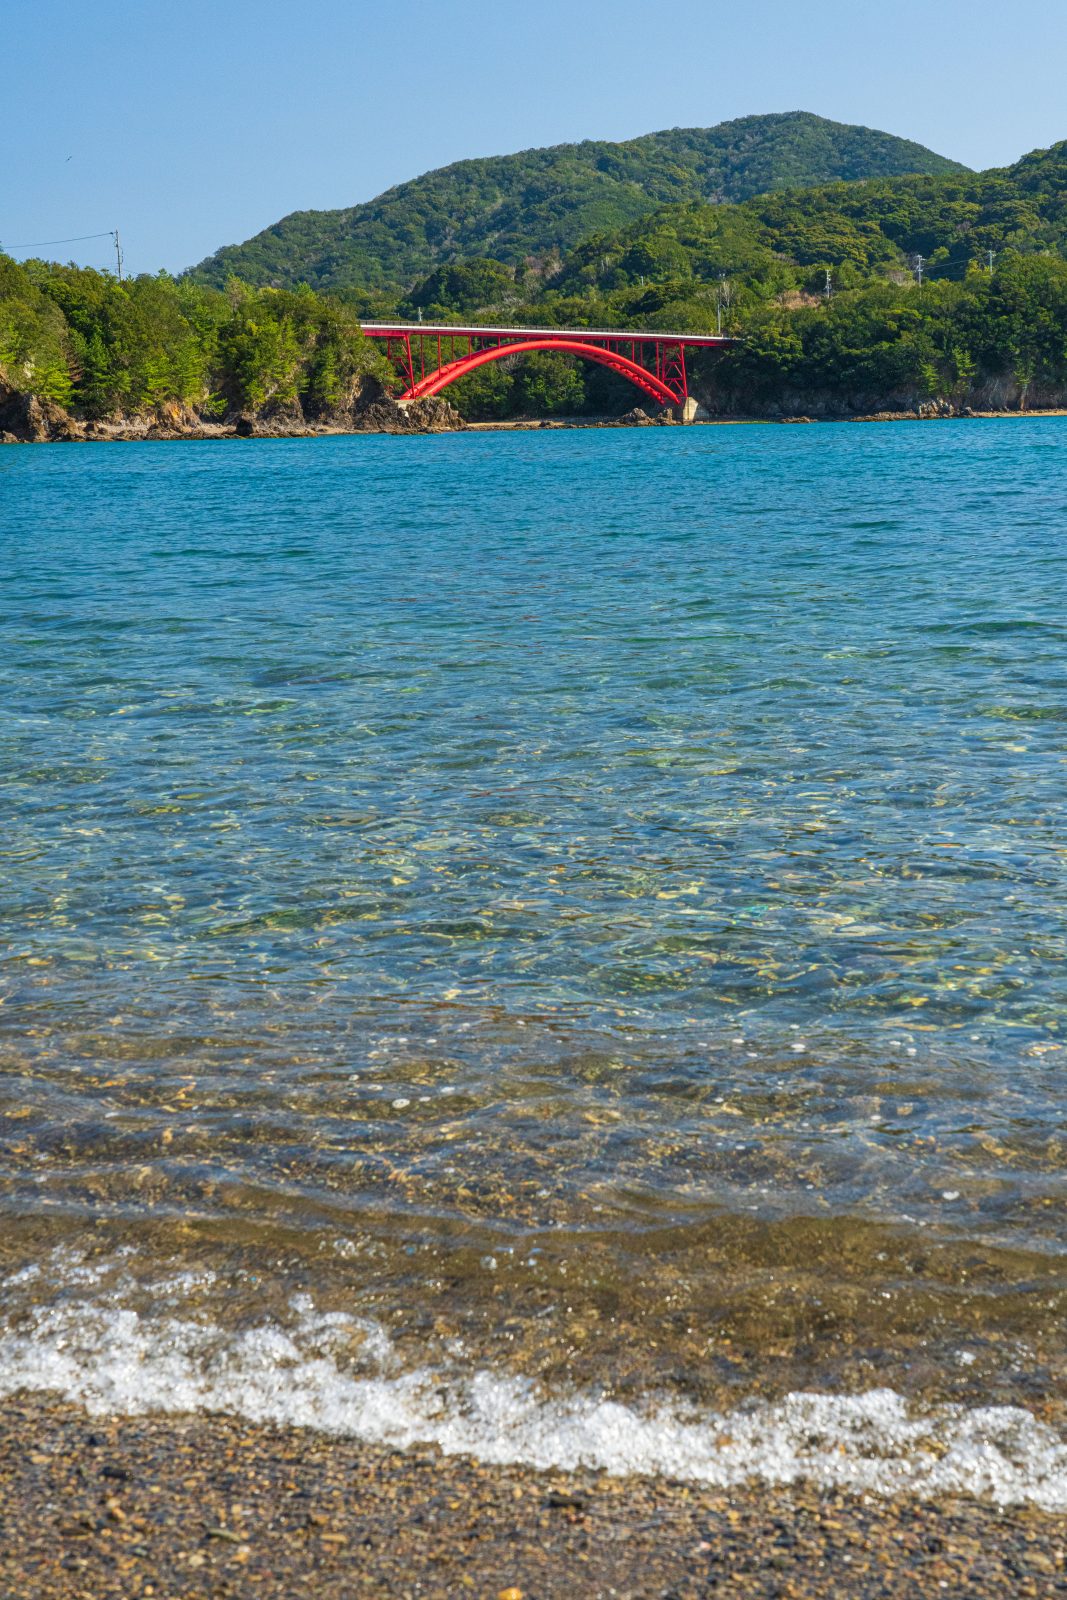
x=341 y=1376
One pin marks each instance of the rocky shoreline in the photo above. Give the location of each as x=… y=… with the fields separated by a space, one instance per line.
x=166 y=1507
x=28 y=419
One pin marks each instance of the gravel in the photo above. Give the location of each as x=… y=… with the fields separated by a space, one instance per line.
x=212 y=1506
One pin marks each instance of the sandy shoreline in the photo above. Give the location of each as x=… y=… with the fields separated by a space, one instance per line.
x=207 y=1505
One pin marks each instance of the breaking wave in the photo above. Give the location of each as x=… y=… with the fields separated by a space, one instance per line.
x=335 y=1373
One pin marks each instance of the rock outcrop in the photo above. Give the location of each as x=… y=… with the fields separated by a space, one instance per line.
x=384 y=415
x=27 y=419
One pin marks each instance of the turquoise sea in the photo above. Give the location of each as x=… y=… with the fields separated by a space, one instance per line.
x=553 y=943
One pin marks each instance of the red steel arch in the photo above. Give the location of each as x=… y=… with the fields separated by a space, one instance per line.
x=645 y=380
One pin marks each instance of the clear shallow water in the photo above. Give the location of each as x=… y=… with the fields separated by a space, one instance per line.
x=592 y=903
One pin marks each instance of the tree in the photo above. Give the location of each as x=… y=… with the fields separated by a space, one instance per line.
x=461 y=286
x=549 y=383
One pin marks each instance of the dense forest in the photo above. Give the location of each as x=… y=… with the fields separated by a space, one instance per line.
x=540 y=202
x=81 y=340
x=890 y=294
x=850 y=297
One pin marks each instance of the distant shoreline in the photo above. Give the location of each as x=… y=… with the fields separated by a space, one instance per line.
x=152 y=433
x=535 y=425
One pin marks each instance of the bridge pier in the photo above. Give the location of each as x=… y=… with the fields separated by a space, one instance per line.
x=689 y=410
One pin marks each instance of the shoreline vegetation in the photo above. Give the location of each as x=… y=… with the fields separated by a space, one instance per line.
x=185 y=1505
x=933 y=295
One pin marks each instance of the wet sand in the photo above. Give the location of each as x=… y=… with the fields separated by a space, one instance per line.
x=98 y=1508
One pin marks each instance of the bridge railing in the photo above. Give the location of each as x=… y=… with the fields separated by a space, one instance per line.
x=465 y=330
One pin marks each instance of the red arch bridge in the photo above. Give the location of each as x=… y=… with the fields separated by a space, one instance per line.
x=430 y=356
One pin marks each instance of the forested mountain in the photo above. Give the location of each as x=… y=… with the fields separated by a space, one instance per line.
x=985 y=319
x=780 y=242
x=822 y=285
x=540 y=202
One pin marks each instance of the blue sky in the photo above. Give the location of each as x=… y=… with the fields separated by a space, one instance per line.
x=193 y=125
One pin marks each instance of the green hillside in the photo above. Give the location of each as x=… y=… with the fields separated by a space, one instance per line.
x=539 y=202
x=984 y=326
x=881 y=340
x=786 y=240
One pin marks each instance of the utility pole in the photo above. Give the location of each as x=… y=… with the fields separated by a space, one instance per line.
x=118 y=252
x=829 y=283
x=991 y=254
x=919 y=264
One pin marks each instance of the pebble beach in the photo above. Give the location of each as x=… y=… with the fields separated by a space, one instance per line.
x=148 y=1508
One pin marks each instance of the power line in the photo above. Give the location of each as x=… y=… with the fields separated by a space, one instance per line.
x=79 y=238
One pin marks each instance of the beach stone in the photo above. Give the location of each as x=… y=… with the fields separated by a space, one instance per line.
x=395 y=1523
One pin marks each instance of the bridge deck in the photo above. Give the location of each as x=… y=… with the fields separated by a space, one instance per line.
x=401 y=330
